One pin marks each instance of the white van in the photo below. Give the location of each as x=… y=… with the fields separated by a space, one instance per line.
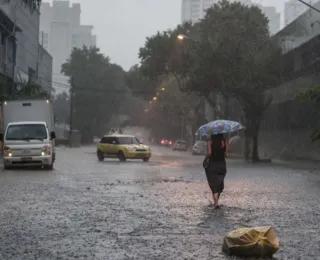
x=29 y=134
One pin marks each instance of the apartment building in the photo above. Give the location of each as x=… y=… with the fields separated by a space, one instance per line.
x=293 y=9
x=27 y=57
x=61 y=31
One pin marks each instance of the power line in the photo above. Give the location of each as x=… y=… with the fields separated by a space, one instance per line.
x=309 y=5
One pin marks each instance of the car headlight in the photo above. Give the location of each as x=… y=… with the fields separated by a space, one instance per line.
x=46 y=150
x=130 y=148
x=7 y=151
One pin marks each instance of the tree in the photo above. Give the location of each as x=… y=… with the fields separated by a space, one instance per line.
x=314 y=96
x=98 y=88
x=135 y=108
x=24 y=90
x=164 y=56
x=62 y=107
x=139 y=84
x=229 y=52
x=175 y=113
x=31 y=90
x=240 y=60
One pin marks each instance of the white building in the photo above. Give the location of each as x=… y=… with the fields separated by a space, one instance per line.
x=62 y=31
x=193 y=10
x=293 y=9
x=273 y=16
x=29 y=54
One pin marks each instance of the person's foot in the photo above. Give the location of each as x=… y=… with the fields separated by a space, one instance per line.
x=217 y=206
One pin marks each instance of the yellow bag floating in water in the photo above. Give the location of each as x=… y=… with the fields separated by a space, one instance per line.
x=251 y=242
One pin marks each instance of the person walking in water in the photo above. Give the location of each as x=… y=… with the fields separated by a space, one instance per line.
x=216 y=169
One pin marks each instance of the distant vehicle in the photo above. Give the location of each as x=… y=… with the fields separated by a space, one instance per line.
x=29 y=138
x=96 y=139
x=122 y=147
x=180 y=145
x=199 y=148
x=166 y=142
x=139 y=136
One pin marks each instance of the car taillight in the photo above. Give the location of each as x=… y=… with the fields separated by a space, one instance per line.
x=162 y=141
x=170 y=142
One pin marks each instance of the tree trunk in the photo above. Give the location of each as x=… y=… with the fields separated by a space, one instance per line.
x=255 y=146
x=226 y=108
x=255 y=150
x=246 y=146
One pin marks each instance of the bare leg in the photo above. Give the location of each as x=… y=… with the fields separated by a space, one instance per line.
x=216 y=199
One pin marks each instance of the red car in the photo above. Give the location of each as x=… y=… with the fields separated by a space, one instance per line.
x=166 y=142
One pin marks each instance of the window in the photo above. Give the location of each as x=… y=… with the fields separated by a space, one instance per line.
x=26 y=132
x=128 y=140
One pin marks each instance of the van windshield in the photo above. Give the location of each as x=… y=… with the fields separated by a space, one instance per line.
x=26 y=132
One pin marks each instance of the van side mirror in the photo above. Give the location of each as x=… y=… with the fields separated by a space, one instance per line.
x=52 y=135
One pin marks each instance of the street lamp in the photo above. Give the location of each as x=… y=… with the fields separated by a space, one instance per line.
x=154 y=98
x=163 y=89
x=182 y=37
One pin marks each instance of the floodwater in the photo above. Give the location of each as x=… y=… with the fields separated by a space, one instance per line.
x=156 y=210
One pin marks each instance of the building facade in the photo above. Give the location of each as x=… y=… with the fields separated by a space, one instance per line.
x=293 y=9
x=273 y=16
x=61 y=31
x=193 y=10
x=8 y=49
x=28 y=51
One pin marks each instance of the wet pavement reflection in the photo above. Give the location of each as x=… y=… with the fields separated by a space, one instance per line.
x=156 y=210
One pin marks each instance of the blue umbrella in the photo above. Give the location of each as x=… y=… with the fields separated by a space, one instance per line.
x=219 y=127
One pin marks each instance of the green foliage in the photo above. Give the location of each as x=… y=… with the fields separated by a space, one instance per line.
x=134 y=107
x=25 y=90
x=98 y=90
x=31 y=90
x=229 y=52
x=62 y=108
x=174 y=110
x=314 y=96
x=139 y=84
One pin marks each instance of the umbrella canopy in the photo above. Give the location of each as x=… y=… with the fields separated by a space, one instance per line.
x=219 y=127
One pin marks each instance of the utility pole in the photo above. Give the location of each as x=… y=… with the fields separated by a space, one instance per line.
x=71 y=110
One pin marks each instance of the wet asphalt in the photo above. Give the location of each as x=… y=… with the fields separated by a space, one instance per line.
x=156 y=210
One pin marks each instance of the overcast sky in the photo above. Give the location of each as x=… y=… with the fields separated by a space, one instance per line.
x=122 y=26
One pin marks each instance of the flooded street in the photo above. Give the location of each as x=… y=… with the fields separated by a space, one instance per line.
x=156 y=210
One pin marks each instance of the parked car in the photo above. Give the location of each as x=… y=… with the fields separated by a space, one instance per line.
x=122 y=147
x=180 y=145
x=199 y=148
x=166 y=142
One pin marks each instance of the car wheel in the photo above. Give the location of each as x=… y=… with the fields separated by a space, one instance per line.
x=146 y=159
x=100 y=156
x=121 y=157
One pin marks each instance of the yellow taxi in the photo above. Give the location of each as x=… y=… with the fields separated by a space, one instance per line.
x=122 y=147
